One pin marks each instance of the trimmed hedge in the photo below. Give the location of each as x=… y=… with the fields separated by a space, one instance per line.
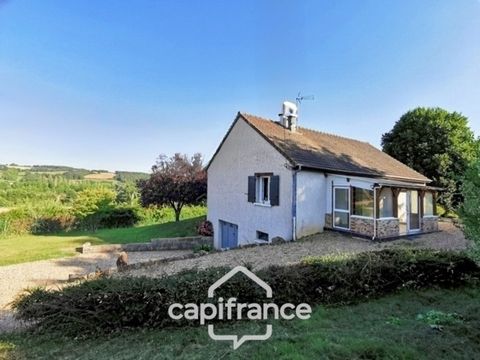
x=110 y=304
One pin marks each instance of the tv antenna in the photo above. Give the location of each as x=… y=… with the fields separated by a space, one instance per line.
x=301 y=98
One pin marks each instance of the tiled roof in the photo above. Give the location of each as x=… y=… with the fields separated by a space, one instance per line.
x=331 y=153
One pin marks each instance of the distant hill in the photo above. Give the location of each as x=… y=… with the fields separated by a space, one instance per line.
x=13 y=171
x=127 y=176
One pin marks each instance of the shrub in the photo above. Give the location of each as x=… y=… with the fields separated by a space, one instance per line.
x=53 y=224
x=160 y=214
x=205 y=228
x=438 y=318
x=17 y=221
x=119 y=217
x=204 y=248
x=109 y=304
x=92 y=205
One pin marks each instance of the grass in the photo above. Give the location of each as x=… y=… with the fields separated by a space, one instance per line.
x=387 y=328
x=24 y=248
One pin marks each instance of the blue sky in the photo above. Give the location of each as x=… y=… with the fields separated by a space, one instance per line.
x=112 y=84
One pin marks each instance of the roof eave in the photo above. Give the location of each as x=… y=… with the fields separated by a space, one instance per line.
x=362 y=174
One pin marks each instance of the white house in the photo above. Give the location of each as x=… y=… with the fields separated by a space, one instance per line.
x=272 y=179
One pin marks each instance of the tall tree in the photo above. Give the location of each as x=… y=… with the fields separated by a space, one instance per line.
x=176 y=181
x=470 y=210
x=437 y=143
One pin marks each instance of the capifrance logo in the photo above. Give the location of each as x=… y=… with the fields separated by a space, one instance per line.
x=230 y=309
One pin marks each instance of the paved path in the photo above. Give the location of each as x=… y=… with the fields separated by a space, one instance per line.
x=53 y=273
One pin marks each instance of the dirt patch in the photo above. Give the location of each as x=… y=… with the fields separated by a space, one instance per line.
x=100 y=176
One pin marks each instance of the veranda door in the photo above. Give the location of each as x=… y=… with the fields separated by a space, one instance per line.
x=409 y=211
x=341 y=208
x=413 y=210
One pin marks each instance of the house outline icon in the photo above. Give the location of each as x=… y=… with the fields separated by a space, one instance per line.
x=237 y=341
x=232 y=273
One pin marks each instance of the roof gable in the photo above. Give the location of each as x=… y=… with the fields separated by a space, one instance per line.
x=242 y=118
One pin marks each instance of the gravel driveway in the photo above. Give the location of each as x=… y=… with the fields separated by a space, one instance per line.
x=321 y=244
x=53 y=273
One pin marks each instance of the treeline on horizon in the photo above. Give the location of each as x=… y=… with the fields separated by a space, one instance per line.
x=46 y=198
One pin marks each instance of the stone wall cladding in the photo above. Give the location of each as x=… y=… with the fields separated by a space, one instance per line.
x=361 y=226
x=388 y=228
x=182 y=243
x=429 y=224
x=328 y=221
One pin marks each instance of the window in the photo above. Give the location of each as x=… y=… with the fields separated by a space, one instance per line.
x=263 y=190
x=262 y=236
x=386 y=203
x=362 y=202
x=428 y=204
x=341 y=211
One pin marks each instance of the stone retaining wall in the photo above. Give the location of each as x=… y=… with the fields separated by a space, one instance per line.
x=181 y=243
x=388 y=228
x=362 y=226
x=328 y=221
x=429 y=224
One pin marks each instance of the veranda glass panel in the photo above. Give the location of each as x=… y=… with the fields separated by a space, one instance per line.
x=386 y=203
x=428 y=204
x=341 y=199
x=342 y=219
x=362 y=202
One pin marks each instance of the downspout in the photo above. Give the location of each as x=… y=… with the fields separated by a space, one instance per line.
x=375 y=187
x=294 y=202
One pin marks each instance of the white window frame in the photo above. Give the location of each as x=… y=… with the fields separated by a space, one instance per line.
x=259 y=191
x=341 y=210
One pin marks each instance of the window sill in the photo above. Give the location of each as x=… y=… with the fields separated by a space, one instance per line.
x=361 y=217
x=261 y=242
x=430 y=216
x=262 y=204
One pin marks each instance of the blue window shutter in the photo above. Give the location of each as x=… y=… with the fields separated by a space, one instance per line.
x=251 y=189
x=275 y=190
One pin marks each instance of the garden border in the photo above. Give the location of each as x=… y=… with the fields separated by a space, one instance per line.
x=160 y=244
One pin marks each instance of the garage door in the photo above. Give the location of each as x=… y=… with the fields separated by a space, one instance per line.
x=229 y=233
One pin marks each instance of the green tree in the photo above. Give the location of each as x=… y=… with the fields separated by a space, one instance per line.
x=470 y=209
x=127 y=193
x=92 y=205
x=437 y=143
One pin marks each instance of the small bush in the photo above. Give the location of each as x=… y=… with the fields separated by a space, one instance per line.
x=107 y=304
x=205 y=228
x=119 y=217
x=203 y=248
x=436 y=317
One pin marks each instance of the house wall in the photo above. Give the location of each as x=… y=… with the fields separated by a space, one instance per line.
x=311 y=203
x=244 y=153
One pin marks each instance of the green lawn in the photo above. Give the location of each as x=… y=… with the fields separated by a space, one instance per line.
x=386 y=328
x=23 y=248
